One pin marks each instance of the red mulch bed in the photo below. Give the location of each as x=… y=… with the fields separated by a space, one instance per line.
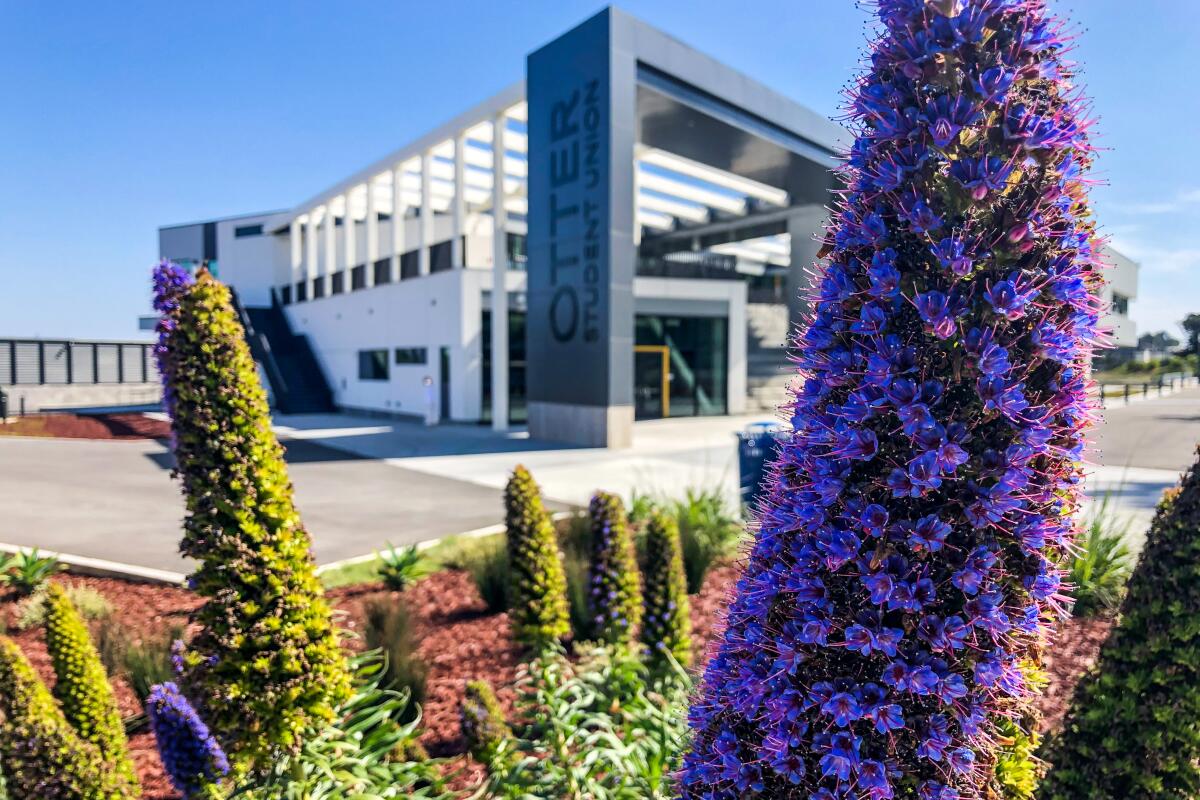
x=460 y=641
x=87 y=426
x=143 y=608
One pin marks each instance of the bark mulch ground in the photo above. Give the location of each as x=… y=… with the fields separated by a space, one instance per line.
x=87 y=426
x=460 y=641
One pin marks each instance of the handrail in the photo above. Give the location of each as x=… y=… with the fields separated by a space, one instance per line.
x=265 y=354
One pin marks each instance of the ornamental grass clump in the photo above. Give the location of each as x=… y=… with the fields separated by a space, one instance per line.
x=41 y=755
x=193 y=760
x=266 y=665
x=666 y=627
x=614 y=591
x=1131 y=731
x=906 y=567
x=538 y=588
x=82 y=689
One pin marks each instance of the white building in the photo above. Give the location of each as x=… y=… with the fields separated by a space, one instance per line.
x=623 y=234
x=393 y=275
x=1122 y=289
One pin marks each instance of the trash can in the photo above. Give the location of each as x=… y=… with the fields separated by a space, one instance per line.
x=758 y=445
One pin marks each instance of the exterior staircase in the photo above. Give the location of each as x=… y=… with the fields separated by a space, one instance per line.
x=768 y=371
x=298 y=385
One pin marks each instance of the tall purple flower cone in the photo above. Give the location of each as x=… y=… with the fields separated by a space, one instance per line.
x=170 y=283
x=190 y=755
x=904 y=578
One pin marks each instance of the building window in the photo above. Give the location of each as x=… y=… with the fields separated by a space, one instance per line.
x=411 y=355
x=372 y=365
x=1120 y=304
x=337 y=283
x=358 y=278
x=441 y=257
x=410 y=265
x=383 y=271
x=515 y=246
x=242 y=231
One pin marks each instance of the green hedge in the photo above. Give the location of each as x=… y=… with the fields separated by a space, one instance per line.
x=667 y=627
x=538 y=588
x=1132 y=730
x=41 y=755
x=82 y=686
x=266 y=666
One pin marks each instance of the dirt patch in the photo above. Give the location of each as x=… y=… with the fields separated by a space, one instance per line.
x=460 y=641
x=1072 y=654
x=87 y=426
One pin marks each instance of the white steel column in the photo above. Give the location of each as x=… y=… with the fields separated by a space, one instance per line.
x=425 y=226
x=499 y=288
x=310 y=252
x=372 y=223
x=457 y=257
x=397 y=220
x=350 y=242
x=330 y=259
x=294 y=239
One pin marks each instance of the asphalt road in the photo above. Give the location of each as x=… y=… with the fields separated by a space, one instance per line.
x=1156 y=433
x=116 y=501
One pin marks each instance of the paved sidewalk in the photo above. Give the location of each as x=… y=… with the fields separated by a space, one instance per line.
x=116 y=501
x=362 y=481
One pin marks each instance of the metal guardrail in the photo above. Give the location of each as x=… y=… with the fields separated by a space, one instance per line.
x=33 y=362
x=1129 y=391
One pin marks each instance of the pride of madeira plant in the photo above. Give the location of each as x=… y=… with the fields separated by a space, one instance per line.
x=1131 y=730
x=266 y=666
x=538 y=589
x=41 y=755
x=82 y=689
x=906 y=568
x=666 y=627
x=614 y=591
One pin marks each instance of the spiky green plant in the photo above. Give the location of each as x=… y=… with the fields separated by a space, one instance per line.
x=484 y=728
x=364 y=755
x=1131 y=731
x=667 y=627
x=614 y=591
x=266 y=666
x=600 y=728
x=41 y=755
x=1100 y=569
x=82 y=688
x=538 y=594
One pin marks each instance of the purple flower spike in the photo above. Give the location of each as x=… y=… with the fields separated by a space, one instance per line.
x=946 y=116
x=189 y=753
x=904 y=565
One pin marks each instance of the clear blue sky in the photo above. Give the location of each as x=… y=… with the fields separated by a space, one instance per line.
x=116 y=118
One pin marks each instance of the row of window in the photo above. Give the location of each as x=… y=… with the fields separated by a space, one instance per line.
x=440 y=256
x=373 y=364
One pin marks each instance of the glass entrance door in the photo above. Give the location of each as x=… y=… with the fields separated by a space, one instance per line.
x=652 y=381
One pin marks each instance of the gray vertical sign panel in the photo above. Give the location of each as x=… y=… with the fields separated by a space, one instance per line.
x=580 y=321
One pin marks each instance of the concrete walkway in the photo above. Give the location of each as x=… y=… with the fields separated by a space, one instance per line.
x=667 y=457
x=116 y=501
x=361 y=482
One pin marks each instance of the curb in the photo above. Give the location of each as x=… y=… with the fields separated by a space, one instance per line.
x=100 y=568
x=478 y=533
